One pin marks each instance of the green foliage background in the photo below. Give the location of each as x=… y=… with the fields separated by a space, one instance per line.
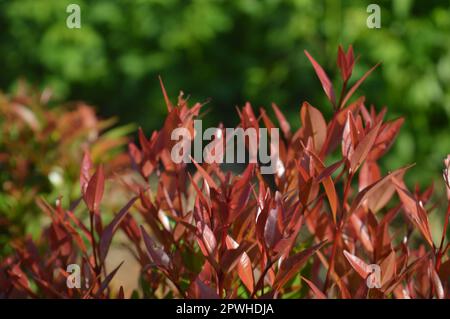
x=234 y=51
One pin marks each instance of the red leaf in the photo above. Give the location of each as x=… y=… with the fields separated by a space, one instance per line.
x=437 y=284
x=331 y=195
x=290 y=266
x=272 y=231
x=145 y=144
x=369 y=174
x=328 y=171
x=267 y=122
x=361 y=232
x=342 y=62
x=376 y=195
x=86 y=165
x=240 y=193
x=166 y=98
x=200 y=290
x=388 y=268
x=357 y=84
x=410 y=268
x=383 y=241
x=350 y=136
x=414 y=211
x=244 y=264
x=108 y=232
x=345 y=62
x=363 y=148
x=317 y=292
x=284 y=124
x=94 y=190
x=328 y=184
x=359 y=265
x=207 y=240
x=336 y=127
x=314 y=125
x=107 y=280
x=156 y=253
x=135 y=154
x=324 y=80
x=205 y=175
x=385 y=139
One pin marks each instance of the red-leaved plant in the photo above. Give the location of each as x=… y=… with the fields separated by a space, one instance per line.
x=314 y=229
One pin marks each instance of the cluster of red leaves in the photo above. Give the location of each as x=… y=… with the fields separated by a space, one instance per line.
x=50 y=136
x=313 y=229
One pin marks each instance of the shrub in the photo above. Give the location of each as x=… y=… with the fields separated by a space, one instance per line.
x=314 y=229
x=40 y=150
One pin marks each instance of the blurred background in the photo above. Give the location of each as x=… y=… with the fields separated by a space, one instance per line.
x=237 y=51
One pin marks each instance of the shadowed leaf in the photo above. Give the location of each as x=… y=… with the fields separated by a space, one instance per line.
x=94 y=190
x=292 y=264
x=108 y=232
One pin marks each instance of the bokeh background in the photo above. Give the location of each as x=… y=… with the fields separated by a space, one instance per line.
x=237 y=51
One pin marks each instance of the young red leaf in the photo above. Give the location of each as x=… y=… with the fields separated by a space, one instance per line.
x=272 y=231
x=86 y=165
x=166 y=97
x=205 y=175
x=314 y=125
x=346 y=62
x=108 y=232
x=437 y=284
x=363 y=148
x=200 y=290
x=317 y=292
x=267 y=121
x=342 y=62
x=324 y=80
x=240 y=193
x=94 y=190
x=356 y=85
x=385 y=139
x=107 y=280
x=347 y=145
x=328 y=171
x=230 y=258
x=284 y=124
x=388 y=268
x=337 y=124
x=206 y=239
x=358 y=265
x=135 y=153
x=376 y=195
x=383 y=241
x=328 y=184
x=244 y=264
x=156 y=253
x=361 y=232
x=414 y=210
x=290 y=266
x=368 y=174
x=409 y=269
